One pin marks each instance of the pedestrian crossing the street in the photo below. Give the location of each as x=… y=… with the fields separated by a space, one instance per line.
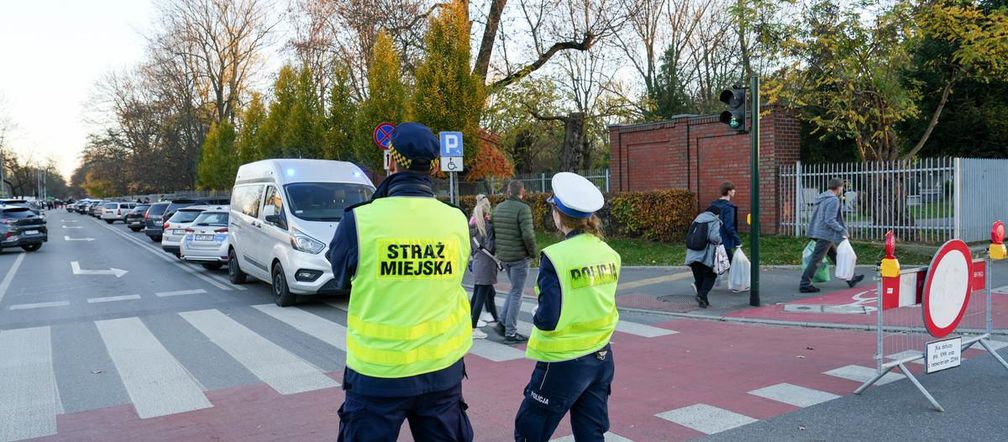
x=162 y=375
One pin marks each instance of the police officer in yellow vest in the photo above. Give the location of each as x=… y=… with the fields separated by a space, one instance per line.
x=403 y=255
x=575 y=318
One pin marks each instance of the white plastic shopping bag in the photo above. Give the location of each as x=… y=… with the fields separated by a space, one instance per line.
x=846 y=259
x=738 y=276
x=721 y=263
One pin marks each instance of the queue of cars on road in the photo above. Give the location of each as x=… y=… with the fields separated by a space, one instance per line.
x=275 y=227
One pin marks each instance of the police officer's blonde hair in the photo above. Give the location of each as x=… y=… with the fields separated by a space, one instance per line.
x=592 y=224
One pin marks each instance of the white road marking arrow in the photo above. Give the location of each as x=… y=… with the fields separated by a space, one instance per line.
x=113 y=271
x=77 y=239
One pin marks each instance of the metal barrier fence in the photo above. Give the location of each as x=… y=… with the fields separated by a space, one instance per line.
x=915 y=199
x=901 y=336
x=924 y=200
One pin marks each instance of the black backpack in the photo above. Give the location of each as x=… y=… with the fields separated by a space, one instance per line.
x=696 y=238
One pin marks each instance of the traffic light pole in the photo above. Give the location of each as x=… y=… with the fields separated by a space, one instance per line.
x=754 y=193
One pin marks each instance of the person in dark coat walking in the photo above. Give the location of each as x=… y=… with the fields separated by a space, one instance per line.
x=729 y=219
x=484 y=266
x=701 y=262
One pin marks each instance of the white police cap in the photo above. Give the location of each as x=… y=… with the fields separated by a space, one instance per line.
x=575 y=196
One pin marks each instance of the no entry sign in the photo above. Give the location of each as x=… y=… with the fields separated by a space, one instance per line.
x=947 y=288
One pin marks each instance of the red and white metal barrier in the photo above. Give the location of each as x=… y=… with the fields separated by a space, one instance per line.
x=931 y=314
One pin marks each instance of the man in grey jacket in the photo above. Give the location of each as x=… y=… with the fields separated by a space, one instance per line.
x=827 y=229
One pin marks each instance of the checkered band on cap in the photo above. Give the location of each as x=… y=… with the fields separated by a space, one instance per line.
x=408 y=163
x=400 y=158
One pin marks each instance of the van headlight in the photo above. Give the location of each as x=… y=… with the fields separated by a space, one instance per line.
x=307 y=244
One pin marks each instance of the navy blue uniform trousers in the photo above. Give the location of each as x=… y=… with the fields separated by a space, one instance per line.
x=437 y=416
x=581 y=386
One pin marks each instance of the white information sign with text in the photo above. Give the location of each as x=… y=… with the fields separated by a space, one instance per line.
x=942 y=355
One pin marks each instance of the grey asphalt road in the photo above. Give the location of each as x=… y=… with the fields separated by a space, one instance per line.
x=974 y=396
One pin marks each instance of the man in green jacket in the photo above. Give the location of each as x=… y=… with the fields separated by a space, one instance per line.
x=516 y=246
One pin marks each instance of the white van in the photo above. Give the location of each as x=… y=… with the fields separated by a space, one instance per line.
x=283 y=216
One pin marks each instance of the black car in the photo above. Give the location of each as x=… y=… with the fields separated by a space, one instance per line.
x=135 y=217
x=21 y=227
x=153 y=225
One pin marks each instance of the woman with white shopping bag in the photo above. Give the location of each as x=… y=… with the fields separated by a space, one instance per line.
x=703 y=242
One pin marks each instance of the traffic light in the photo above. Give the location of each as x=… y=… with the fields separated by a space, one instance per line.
x=735 y=115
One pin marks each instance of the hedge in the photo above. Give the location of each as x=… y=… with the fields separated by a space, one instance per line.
x=660 y=215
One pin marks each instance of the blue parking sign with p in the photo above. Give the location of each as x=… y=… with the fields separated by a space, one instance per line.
x=451 y=144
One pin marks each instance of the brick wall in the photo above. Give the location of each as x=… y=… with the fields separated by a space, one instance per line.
x=699 y=153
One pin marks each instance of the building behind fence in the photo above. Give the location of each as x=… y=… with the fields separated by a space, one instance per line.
x=924 y=200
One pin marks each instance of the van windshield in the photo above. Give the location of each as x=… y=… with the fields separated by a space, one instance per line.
x=324 y=201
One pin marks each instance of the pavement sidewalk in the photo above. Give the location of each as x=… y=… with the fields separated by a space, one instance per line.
x=667 y=290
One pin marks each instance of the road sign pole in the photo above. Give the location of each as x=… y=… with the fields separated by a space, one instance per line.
x=451 y=187
x=754 y=194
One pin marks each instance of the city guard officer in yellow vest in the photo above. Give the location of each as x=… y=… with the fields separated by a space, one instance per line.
x=403 y=255
x=575 y=318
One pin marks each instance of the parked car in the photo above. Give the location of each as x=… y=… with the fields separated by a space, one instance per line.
x=21 y=227
x=176 y=204
x=153 y=221
x=206 y=239
x=85 y=208
x=283 y=214
x=135 y=217
x=112 y=212
x=175 y=227
x=96 y=209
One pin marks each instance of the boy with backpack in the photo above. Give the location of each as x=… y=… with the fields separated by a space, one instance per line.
x=701 y=247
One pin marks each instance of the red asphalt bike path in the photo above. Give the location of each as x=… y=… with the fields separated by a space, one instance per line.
x=707 y=362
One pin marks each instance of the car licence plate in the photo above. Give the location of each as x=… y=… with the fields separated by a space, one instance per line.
x=178 y=232
x=31 y=232
x=204 y=237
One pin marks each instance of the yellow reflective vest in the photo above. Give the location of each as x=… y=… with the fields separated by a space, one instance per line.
x=588 y=270
x=408 y=312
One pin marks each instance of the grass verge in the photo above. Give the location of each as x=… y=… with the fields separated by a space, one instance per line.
x=774 y=250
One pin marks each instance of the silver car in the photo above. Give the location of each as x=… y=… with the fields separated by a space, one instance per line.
x=206 y=239
x=175 y=228
x=112 y=212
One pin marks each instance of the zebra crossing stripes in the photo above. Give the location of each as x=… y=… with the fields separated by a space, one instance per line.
x=278 y=368
x=862 y=374
x=607 y=437
x=155 y=381
x=29 y=401
x=794 y=395
x=706 y=419
x=322 y=329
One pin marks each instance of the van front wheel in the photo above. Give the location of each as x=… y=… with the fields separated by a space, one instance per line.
x=281 y=293
x=235 y=273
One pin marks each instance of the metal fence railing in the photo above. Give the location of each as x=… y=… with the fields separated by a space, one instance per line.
x=925 y=200
x=915 y=199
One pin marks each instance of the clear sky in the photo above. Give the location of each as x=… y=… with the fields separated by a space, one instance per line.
x=51 y=54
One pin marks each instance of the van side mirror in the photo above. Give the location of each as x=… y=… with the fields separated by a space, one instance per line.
x=273 y=219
